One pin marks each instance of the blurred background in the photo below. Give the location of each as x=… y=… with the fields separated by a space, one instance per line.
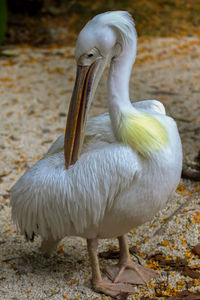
x=37 y=74
x=44 y=22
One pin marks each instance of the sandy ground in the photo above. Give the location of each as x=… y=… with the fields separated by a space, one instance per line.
x=35 y=90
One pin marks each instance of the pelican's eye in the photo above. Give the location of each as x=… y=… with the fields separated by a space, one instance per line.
x=90 y=55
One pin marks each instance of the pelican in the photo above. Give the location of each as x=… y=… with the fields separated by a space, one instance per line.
x=106 y=175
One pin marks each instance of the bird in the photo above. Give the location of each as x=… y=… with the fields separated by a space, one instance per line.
x=106 y=175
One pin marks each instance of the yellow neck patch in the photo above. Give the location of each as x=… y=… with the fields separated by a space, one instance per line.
x=142 y=132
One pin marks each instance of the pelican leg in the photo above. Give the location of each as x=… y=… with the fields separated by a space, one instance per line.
x=104 y=285
x=126 y=271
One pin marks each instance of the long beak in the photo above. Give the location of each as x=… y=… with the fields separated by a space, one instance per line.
x=77 y=114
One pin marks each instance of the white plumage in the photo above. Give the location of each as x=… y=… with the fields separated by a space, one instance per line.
x=109 y=179
x=112 y=187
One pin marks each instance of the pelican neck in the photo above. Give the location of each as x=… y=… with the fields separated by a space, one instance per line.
x=118 y=81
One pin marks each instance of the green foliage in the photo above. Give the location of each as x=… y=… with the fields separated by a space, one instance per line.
x=3 y=19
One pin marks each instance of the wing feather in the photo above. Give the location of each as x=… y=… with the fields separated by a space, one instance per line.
x=52 y=201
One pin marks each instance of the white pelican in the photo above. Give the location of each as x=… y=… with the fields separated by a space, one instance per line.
x=129 y=165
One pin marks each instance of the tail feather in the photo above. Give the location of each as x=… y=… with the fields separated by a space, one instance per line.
x=30 y=238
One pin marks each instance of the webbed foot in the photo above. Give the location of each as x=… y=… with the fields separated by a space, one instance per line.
x=130 y=273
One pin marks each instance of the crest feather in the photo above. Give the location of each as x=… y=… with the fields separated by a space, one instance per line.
x=120 y=20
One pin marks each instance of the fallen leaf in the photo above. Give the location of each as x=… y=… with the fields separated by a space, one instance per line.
x=187 y=295
x=196 y=249
x=191 y=273
x=178 y=264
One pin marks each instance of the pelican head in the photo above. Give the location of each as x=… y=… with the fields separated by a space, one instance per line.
x=103 y=38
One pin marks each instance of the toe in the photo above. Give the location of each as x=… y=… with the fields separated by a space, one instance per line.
x=113 y=289
x=133 y=274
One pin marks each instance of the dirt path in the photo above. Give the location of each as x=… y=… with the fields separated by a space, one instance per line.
x=35 y=90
